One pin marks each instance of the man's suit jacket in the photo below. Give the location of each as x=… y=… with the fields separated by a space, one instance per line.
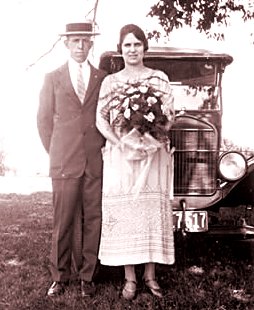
x=67 y=128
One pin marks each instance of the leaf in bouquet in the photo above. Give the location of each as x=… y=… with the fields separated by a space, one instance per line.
x=146 y=110
x=120 y=121
x=136 y=119
x=162 y=120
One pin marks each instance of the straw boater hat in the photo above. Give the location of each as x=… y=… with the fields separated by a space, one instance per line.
x=85 y=28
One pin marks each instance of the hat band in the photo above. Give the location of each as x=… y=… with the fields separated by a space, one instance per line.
x=79 y=27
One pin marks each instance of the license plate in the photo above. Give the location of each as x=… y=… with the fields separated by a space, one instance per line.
x=195 y=221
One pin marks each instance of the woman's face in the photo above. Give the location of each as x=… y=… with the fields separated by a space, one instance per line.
x=132 y=50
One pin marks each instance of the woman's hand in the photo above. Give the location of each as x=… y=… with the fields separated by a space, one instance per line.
x=141 y=149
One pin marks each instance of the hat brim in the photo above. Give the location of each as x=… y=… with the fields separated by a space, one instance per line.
x=86 y=33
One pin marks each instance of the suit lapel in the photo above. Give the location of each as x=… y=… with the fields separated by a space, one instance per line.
x=93 y=83
x=65 y=83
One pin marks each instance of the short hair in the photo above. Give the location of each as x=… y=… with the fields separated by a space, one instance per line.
x=138 y=33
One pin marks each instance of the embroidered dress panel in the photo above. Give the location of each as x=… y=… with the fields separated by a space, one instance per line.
x=81 y=89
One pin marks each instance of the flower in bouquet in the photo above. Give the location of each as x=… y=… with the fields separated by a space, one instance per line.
x=139 y=106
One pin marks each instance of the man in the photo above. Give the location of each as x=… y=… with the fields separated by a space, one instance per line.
x=66 y=125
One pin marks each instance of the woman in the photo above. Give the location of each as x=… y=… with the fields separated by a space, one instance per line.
x=137 y=179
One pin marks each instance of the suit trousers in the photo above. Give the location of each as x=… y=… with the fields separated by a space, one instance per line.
x=68 y=195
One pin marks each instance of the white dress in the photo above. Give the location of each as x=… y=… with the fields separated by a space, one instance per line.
x=137 y=223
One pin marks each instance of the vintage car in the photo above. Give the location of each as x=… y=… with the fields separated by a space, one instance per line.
x=213 y=179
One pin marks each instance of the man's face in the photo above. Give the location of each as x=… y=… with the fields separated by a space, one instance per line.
x=79 y=46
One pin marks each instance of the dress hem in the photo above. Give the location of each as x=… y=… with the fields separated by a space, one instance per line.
x=107 y=263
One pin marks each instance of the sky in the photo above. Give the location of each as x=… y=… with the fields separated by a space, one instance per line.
x=30 y=28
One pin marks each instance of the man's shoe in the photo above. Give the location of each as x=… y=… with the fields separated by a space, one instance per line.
x=87 y=289
x=56 y=289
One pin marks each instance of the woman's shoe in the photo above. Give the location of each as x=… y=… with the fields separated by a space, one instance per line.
x=153 y=287
x=129 y=289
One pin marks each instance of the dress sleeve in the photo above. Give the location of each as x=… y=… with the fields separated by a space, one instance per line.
x=167 y=97
x=103 y=111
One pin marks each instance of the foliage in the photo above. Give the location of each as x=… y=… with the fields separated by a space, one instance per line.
x=200 y=14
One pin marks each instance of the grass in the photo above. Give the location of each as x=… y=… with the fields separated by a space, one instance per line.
x=213 y=277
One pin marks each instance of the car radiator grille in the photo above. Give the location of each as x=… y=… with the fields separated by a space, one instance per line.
x=195 y=157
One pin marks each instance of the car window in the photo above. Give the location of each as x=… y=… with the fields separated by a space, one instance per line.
x=195 y=98
x=186 y=72
x=193 y=82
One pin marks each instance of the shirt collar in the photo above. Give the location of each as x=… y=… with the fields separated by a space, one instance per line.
x=75 y=64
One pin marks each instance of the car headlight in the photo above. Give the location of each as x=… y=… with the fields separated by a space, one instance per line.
x=232 y=166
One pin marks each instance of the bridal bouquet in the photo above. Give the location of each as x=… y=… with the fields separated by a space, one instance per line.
x=140 y=107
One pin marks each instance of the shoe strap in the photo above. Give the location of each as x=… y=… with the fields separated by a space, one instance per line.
x=132 y=281
x=150 y=283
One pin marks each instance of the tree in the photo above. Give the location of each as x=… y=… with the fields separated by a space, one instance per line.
x=200 y=14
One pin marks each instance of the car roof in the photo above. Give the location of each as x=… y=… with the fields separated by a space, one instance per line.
x=179 y=53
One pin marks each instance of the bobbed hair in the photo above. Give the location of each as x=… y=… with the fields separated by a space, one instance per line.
x=137 y=32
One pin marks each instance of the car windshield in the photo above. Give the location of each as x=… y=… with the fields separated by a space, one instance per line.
x=194 y=82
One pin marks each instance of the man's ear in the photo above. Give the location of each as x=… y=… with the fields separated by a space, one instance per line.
x=91 y=44
x=66 y=43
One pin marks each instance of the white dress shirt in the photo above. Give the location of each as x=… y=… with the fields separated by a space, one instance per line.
x=73 y=69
